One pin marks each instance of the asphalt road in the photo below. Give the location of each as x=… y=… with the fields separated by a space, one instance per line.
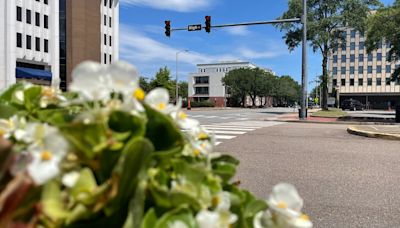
x=345 y=180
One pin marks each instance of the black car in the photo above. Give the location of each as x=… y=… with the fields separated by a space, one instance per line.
x=352 y=105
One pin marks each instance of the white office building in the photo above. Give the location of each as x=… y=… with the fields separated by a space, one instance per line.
x=206 y=83
x=29 y=41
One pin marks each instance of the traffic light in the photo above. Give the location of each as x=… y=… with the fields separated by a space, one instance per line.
x=208 y=24
x=168 y=28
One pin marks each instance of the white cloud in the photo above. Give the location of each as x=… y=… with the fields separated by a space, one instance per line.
x=238 y=31
x=251 y=54
x=173 y=5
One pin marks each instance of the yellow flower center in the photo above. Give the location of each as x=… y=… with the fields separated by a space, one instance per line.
x=304 y=217
x=48 y=92
x=196 y=152
x=2 y=133
x=215 y=201
x=46 y=155
x=161 y=106
x=182 y=115
x=203 y=136
x=282 y=205
x=139 y=94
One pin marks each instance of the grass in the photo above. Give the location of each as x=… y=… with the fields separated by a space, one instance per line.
x=331 y=113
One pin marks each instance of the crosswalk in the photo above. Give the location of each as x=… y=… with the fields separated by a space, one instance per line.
x=231 y=130
x=233 y=117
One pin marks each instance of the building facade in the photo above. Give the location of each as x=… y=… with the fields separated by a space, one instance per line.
x=45 y=39
x=363 y=76
x=206 y=83
x=29 y=41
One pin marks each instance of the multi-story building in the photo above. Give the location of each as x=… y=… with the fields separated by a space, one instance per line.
x=44 y=40
x=363 y=76
x=206 y=84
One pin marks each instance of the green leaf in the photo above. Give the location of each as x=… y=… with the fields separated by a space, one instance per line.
x=183 y=215
x=85 y=186
x=120 y=121
x=150 y=219
x=225 y=170
x=7 y=94
x=52 y=201
x=32 y=97
x=162 y=131
x=226 y=158
x=7 y=111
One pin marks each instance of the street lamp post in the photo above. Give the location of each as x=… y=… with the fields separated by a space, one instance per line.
x=176 y=74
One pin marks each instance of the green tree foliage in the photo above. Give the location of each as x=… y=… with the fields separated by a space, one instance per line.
x=163 y=79
x=287 y=91
x=385 y=24
x=144 y=84
x=325 y=20
x=183 y=89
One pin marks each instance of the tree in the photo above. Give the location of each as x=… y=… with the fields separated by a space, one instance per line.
x=326 y=20
x=385 y=24
x=163 y=79
x=183 y=89
x=144 y=84
x=287 y=91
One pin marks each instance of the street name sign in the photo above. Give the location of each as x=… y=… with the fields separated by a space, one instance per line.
x=194 y=27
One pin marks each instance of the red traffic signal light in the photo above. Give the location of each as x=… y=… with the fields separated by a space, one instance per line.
x=168 y=28
x=208 y=23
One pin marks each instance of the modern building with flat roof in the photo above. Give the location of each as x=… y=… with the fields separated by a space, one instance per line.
x=45 y=39
x=365 y=77
x=206 y=83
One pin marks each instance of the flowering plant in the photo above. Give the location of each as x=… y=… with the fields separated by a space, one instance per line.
x=108 y=155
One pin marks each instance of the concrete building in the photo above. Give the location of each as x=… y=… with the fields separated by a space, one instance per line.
x=206 y=83
x=44 y=40
x=365 y=77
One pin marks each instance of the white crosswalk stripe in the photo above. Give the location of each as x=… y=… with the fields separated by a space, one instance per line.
x=227 y=131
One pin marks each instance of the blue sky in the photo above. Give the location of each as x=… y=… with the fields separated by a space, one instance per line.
x=144 y=44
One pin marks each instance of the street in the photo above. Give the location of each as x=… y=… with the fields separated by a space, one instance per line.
x=345 y=180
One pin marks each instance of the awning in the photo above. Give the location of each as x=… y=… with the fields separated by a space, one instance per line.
x=23 y=72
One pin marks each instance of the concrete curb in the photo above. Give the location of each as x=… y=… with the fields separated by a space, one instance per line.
x=353 y=130
x=335 y=122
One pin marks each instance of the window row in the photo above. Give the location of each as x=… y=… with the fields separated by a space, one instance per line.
x=109 y=59
x=361 y=70
x=44 y=1
x=388 y=82
x=28 y=17
x=202 y=80
x=28 y=41
x=109 y=21
x=361 y=57
x=109 y=1
x=109 y=40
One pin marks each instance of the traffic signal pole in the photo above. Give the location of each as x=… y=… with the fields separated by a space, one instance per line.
x=303 y=20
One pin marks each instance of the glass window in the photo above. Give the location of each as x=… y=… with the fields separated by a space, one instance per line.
x=19 y=13
x=37 y=44
x=360 y=70
x=334 y=71
x=369 y=69
x=352 y=82
x=388 y=69
x=378 y=81
x=335 y=59
x=352 y=46
x=202 y=80
x=353 y=33
x=388 y=81
x=110 y=59
x=361 y=46
x=46 y=21
x=105 y=58
x=110 y=41
x=361 y=58
x=370 y=57
x=37 y=19
x=343 y=46
x=379 y=56
x=334 y=82
x=46 y=2
x=46 y=46
x=105 y=2
x=369 y=81
x=379 y=45
x=343 y=70
x=19 y=40
x=378 y=69
x=105 y=39
x=343 y=82
x=105 y=20
x=360 y=82
x=110 y=20
x=28 y=42
x=352 y=70
x=343 y=58
x=201 y=90
x=28 y=16
x=352 y=58
x=111 y=3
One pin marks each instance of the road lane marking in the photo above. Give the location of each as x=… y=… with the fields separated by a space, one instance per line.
x=229 y=132
x=224 y=137
x=229 y=128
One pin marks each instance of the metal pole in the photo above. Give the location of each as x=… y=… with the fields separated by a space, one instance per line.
x=176 y=79
x=303 y=111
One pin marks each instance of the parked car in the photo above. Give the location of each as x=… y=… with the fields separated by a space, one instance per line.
x=352 y=105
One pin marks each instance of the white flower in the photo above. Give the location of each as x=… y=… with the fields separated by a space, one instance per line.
x=91 y=80
x=13 y=127
x=303 y=221
x=69 y=179
x=222 y=201
x=215 y=219
x=124 y=78
x=50 y=95
x=158 y=99
x=47 y=150
x=178 y=224
x=183 y=121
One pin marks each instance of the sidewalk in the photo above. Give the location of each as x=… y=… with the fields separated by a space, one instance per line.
x=391 y=132
x=294 y=117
